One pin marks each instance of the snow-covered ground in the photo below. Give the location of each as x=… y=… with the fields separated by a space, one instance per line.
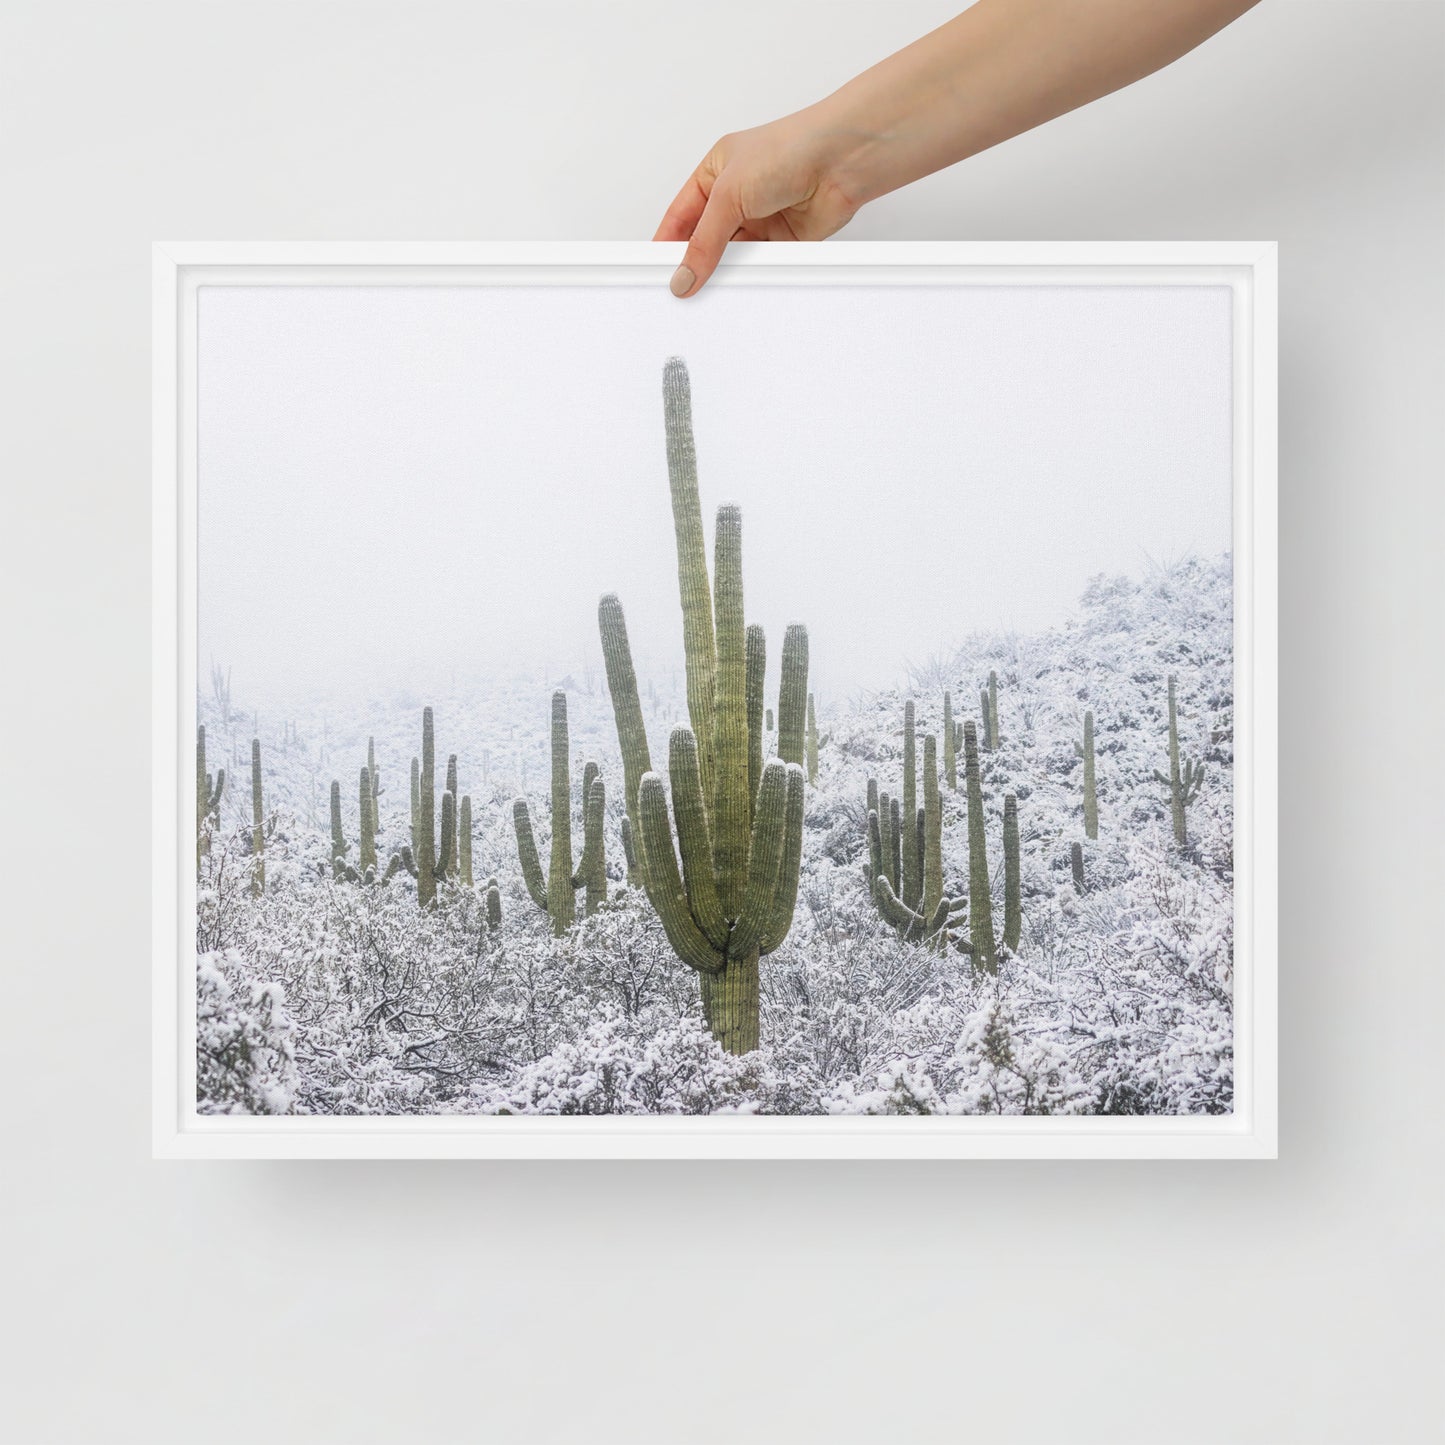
x=329 y=997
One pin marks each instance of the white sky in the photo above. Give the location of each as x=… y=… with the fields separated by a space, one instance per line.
x=396 y=484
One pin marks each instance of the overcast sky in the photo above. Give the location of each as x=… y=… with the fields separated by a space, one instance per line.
x=398 y=483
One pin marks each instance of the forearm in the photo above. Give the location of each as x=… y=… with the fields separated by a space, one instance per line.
x=1000 y=68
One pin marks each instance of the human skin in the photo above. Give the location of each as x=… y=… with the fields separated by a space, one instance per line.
x=995 y=71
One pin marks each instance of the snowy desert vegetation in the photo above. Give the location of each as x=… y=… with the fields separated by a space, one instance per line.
x=1004 y=886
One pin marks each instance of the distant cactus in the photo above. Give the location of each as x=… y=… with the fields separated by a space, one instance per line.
x=375 y=785
x=769 y=720
x=980 y=901
x=912 y=869
x=1013 y=917
x=1086 y=752
x=464 y=829
x=986 y=735
x=555 y=894
x=950 y=743
x=494 y=905
x=1183 y=782
x=993 y=732
x=258 y=828
x=740 y=849
x=366 y=857
x=415 y=799
x=341 y=870
x=433 y=862
x=1076 y=862
x=812 y=742
x=888 y=851
x=452 y=848
x=208 y=798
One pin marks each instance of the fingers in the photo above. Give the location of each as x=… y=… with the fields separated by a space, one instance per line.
x=721 y=217
x=681 y=217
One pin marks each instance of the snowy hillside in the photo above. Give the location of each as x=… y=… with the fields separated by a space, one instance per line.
x=328 y=996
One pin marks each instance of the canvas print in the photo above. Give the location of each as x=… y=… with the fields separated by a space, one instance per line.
x=810 y=701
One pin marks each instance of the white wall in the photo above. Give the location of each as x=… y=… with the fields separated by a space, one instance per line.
x=1294 y=1301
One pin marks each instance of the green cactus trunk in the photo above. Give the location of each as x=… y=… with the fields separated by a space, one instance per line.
x=983 y=717
x=452 y=838
x=208 y=799
x=757 y=667
x=950 y=744
x=374 y=799
x=912 y=877
x=980 y=901
x=993 y=732
x=464 y=829
x=1076 y=863
x=425 y=844
x=494 y=905
x=561 y=903
x=594 y=848
x=366 y=858
x=1013 y=914
x=1091 y=804
x=258 y=830
x=932 y=830
x=699 y=643
x=338 y=834
x=769 y=719
x=415 y=802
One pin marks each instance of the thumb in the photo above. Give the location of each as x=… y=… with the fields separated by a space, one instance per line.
x=720 y=220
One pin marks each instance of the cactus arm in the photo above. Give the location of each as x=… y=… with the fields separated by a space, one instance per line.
x=812 y=743
x=629 y=850
x=665 y=883
x=594 y=857
x=449 y=832
x=757 y=667
x=561 y=904
x=885 y=834
x=699 y=645
x=980 y=902
x=693 y=838
x=875 y=849
x=895 y=911
x=455 y=853
x=1012 y=901
x=932 y=829
x=366 y=859
x=425 y=845
x=993 y=735
x=793 y=694
x=527 y=854
x=912 y=881
x=730 y=810
x=785 y=895
x=627 y=709
x=765 y=859
x=895 y=840
x=415 y=800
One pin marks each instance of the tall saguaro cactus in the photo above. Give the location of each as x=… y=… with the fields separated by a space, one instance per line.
x=1091 y=803
x=555 y=894
x=464 y=830
x=993 y=734
x=888 y=846
x=208 y=798
x=980 y=901
x=912 y=869
x=366 y=858
x=432 y=862
x=732 y=900
x=258 y=828
x=1184 y=781
x=1013 y=916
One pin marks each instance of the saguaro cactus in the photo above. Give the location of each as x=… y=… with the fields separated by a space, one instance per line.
x=887 y=848
x=1013 y=915
x=208 y=798
x=494 y=905
x=950 y=743
x=980 y=901
x=341 y=870
x=1076 y=863
x=912 y=870
x=732 y=902
x=555 y=894
x=452 y=843
x=258 y=828
x=1183 y=781
x=1086 y=752
x=993 y=733
x=415 y=799
x=812 y=742
x=464 y=829
x=769 y=719
x=432 y=863
x=374 y=778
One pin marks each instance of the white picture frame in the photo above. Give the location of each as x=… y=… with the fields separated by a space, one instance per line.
x=180 y=1132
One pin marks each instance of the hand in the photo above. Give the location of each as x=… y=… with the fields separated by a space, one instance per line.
x=777 y=182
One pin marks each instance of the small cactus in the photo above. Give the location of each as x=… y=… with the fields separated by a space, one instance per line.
x=1012 y=889
x=494 y=905
x=1184 y=781
x=1076 y=863
x=341 y=870
x=258 y=826
x=980 y=901
x=1086 y=752
x=208 y=798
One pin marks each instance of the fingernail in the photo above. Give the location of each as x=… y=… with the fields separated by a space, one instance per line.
x=682 y=280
